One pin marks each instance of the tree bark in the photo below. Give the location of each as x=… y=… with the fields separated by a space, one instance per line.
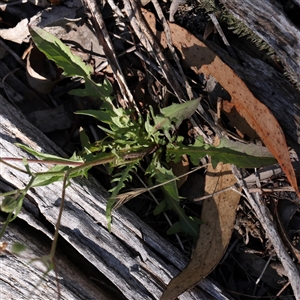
x=270 y=23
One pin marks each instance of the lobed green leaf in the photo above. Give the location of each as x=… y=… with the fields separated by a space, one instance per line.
x=73 y=66
x=171 y=116
x=121 y=178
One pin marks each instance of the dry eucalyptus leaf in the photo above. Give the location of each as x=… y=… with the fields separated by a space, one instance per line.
x=218 y=216
x=238 y=122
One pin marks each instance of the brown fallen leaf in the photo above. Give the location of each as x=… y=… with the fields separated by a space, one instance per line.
x=42 y=74
x=198 y=57
x=218 y=216
x=237 y=121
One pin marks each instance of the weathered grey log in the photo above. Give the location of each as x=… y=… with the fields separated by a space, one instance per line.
x=133 y=257
x=271 y=24
x=19 y=279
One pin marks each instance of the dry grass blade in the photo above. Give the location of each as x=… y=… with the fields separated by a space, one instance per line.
x=127 y=196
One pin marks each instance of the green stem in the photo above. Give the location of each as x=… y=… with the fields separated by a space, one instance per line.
x=54 y=243
x=21 y=198
x=44 y=161
x=5 y=225
x=125 y=156
x=12 y=166
x=8 y=193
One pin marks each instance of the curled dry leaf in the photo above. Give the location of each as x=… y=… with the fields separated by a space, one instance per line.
x=198 y=57
x=42 y=74
x=17 y=34
x=218 y=216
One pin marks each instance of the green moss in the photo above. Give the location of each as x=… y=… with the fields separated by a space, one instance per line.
x=233 y=24
x=241 y=30
x=210 y=6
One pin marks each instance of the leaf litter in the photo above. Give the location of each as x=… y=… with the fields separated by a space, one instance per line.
x=197 y=57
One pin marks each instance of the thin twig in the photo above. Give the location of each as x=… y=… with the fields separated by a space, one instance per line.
x=146 y=36
x=221 y=33
x=172 y=48
x=263 y=271
x=105 y=41
x=263 y=215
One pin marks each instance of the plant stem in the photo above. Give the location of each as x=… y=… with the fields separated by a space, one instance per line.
x=54 y=243
x=44 y=161
x=5 y=225
x=126 y=157
x=4 y=159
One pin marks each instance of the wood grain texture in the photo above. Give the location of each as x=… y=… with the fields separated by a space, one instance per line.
x=270 y=23
x=133 y=257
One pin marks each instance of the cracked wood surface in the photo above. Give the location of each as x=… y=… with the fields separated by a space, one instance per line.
x=270 y=23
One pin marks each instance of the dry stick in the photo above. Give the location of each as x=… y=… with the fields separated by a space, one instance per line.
x=146 y=36
x=265 y=219
x=175 y=56
x=115 y=8
x=171 y=47
x=221 y=33
x=105 y=41
x=148 y=62
x=281 y=291
x=263 y=272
